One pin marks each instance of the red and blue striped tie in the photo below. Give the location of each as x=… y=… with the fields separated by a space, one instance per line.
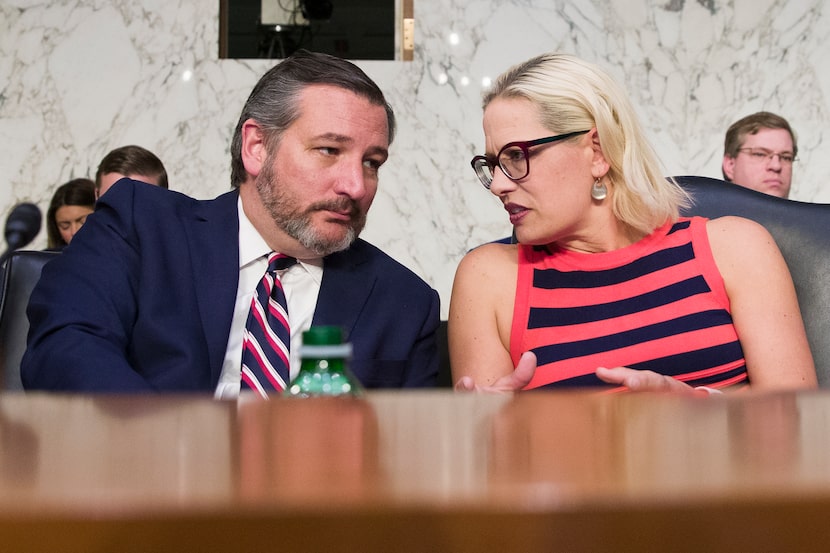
x=267 y=336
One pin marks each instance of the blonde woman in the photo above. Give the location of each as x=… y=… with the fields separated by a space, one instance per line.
x=608 y=286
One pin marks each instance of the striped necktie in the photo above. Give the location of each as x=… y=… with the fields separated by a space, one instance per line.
x=267 y=336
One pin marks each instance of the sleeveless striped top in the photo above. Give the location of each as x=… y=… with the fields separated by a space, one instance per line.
x=659 y=304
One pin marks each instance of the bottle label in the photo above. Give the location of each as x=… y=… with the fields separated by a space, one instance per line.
x=335 y=350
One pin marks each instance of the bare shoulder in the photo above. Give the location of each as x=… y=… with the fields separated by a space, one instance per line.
x=732 y=225
x=739 y=237
x=483 y=266
x=491 y=258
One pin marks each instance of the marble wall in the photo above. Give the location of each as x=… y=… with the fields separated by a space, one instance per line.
x=80 y=77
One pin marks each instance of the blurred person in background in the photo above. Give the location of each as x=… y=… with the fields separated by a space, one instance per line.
x=758 y=153
x=133 y=162
x=71 y=203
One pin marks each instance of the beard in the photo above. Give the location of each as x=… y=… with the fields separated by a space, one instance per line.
x=296 y=221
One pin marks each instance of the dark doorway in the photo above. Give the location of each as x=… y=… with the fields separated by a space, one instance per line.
x=351 y=29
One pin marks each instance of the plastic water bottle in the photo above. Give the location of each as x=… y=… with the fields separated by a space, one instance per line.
x=324 y=368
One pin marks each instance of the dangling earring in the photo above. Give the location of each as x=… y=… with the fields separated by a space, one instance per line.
x=599 y=191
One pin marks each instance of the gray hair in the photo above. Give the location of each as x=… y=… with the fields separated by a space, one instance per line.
x=274 y=102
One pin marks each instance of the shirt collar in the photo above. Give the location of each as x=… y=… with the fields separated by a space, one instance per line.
x=251 y=244
x=252 y=247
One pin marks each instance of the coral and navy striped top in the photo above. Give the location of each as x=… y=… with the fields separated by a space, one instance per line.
x=659 y=304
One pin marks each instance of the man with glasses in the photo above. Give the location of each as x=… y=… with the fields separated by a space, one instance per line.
x=759 y=151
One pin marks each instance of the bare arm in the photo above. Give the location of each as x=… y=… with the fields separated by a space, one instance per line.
x=481 y=313
x=764 y=305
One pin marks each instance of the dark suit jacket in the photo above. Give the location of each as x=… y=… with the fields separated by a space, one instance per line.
x=143 y=299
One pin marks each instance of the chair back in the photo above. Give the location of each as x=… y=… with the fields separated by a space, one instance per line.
x=802 y=232
x=444 y=371
x=20 y=274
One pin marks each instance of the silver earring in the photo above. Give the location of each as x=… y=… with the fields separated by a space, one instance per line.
x=599 y=191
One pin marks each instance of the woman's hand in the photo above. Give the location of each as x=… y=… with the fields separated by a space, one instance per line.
x=633 y=379
x=512 y=382
x=642 y=381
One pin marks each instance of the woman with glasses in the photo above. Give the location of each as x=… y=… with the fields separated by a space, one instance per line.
x=608 y=285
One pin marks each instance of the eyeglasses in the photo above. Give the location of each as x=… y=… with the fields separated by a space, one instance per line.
x=762 y=155
x=513 y=159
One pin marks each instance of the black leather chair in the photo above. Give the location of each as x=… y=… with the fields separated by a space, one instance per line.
x=802 y=231
x=444 y=372
x=20 y=274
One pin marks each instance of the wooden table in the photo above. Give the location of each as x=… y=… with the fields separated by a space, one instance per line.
x=416 y=471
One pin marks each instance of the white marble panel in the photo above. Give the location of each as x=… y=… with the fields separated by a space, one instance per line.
x=80 y=77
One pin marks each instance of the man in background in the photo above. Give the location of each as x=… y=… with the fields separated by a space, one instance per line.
x=133 y=162
x=759 y=151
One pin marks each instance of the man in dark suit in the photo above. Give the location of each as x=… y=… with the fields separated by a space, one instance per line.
x=154 y=292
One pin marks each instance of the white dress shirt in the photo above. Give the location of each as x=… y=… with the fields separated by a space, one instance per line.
x=301 y=283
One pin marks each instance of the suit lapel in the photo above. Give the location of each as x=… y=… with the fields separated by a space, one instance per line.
x=345 y=289
x=213 y=235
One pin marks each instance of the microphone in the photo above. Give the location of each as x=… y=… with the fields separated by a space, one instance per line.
x=22 y=226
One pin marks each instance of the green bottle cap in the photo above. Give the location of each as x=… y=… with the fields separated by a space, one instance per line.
x=323 y=336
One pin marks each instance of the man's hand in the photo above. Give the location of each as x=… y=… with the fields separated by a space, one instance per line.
x=512 y=382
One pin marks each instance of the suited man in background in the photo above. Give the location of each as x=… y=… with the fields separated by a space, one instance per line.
x=155 y=292
x=129 y=161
